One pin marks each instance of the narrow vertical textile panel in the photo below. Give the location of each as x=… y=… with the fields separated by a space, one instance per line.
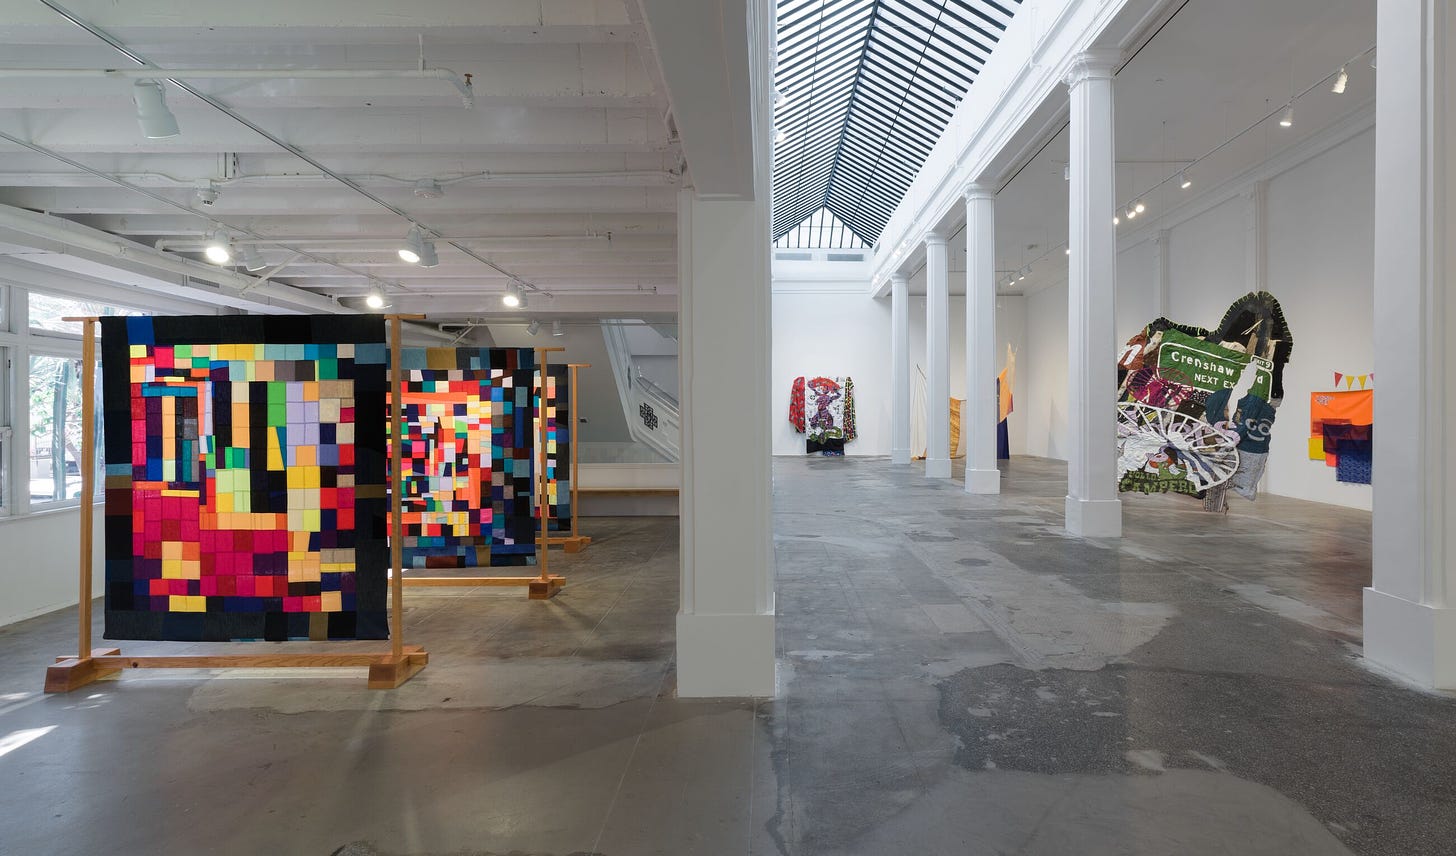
x=466 y=457
x=557 y=455
x=245 y=494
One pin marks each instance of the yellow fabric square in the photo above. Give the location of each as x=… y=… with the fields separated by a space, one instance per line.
x=1317 y=448
x=331 y=601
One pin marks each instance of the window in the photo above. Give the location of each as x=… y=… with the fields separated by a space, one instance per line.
x=47 y=310
x=54 y=468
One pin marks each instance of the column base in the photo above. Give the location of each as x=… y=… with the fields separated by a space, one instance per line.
x=725 y=656
x=1094 y=518
x=1412 y=640
x=983 y=481
x=900 y=456
x=937 y=468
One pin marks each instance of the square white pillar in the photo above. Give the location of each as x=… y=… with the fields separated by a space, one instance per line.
x=1410 y=606
x=937 y=357
x=1093 y=509
x=978 y=421
x=725 y=626
x=899 y=369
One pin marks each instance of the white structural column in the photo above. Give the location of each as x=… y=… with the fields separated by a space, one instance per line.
x=725 y=627
x=899 y=369
x=1093 y=509
x=978 y=421
x=937 y=357
x=1410 y=617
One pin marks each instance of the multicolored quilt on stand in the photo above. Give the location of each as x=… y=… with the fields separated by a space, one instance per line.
x=557 y=458
x=1196 y=406
x=245 y=483
x=467 y=457
x=822 y=408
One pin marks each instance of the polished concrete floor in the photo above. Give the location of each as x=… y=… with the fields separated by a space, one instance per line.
x=957 y=677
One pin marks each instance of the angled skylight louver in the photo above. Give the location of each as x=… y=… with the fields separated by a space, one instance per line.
x=869 y=86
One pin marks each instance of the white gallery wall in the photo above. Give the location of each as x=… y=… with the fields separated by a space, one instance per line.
x=830 y=326
x=1313 y=208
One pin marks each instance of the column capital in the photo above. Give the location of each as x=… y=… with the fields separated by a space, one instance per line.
x=897 y=278
x=1094 y=64
x=978 y=190
x=934 y=239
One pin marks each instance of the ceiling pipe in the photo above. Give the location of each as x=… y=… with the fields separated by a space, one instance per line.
x=74 y=235
x=618 y=178
x=324 y=243
x=461 y=84
x=276 y=140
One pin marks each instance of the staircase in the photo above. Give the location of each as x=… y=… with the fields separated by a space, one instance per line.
x=652 y=412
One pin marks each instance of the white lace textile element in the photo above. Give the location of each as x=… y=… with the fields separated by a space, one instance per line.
x=1206 y=454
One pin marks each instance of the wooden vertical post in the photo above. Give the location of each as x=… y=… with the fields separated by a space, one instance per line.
x=88 y=476
x=545 y=586
x=396 y=503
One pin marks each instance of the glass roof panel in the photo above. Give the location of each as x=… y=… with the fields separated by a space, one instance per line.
x=864 y=89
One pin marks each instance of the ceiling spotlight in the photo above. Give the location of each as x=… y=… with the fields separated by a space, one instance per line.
x=1139 y=207
x=375 y=300
x=428 y=257
x=556 y=329
x=1341 y=81
x=512 y=297
x=1068 y=251
x=1372 y=59
x=1067 y=172
x=218 y=249
x=252 y=259
x=1287 y=120
x=413 y=247
x=1116 y=219
x=428 y=188
x=206 y=192
x=533 y=328
x=1131 y=213
x=1184 y=182
x=781 y=136
x=156 y=120
x=780 y=99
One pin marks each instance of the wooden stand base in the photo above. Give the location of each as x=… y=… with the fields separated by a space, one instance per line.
x=545 y=589
x=556 y=582
x=385 y=671
x=570 y=543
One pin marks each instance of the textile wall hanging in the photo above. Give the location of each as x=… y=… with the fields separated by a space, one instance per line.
x=1341 y=429
x=467 y=457
x=245 y=483
x=822 y=408
x=558 y=447
x=1196 y=406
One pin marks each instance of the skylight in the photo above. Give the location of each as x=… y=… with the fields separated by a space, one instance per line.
x=865 y=89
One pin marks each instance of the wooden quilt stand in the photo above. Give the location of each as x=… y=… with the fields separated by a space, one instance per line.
x=387 y=669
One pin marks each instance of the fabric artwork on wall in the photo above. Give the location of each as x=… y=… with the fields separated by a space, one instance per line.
x=1197 y=406
x=823 y=409
x=1341 y=427
x=466 y=459
x=245 y=483
x=558 y=448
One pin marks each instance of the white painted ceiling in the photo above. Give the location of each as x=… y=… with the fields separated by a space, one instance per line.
x=1213 y=70
x=563 y=175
